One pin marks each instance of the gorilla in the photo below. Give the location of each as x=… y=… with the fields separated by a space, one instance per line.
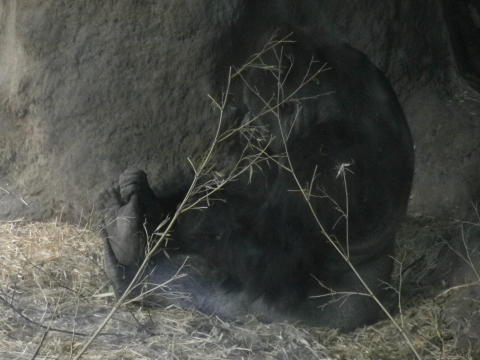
x=336 y=130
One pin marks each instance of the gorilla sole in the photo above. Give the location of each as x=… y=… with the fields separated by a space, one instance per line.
x=259 y=250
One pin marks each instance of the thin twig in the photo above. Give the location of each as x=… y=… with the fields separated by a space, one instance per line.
x=44 y=335
x=334 y=243
x=20 y=313
x=198 y=174
x=443 y=293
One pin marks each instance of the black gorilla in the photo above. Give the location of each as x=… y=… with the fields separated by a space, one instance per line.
x=259 y=248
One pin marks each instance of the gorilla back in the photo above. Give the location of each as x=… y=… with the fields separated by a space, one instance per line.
x=267 y=248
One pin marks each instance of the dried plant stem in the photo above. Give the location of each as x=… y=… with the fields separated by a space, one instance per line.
x=30 y=321
x=275 y=110
x=198 y=174
x=44 y=335
x=346 y=258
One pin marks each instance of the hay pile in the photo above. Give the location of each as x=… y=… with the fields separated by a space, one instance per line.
x=53 y=295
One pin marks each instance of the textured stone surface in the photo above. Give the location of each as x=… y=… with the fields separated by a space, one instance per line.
x=87 y=89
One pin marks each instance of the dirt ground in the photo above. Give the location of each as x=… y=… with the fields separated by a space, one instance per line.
x=54 y=294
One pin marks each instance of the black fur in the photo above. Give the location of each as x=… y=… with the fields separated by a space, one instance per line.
x=260 y=249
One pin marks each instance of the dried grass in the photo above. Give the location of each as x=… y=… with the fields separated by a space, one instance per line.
x=53 y=275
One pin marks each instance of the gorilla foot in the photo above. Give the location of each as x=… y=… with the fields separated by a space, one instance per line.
x=133 y=182
x=122 y=226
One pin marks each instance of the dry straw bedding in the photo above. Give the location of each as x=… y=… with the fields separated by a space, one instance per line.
x=52 y=280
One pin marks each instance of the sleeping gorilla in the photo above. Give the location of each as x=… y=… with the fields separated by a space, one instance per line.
x=259 y=250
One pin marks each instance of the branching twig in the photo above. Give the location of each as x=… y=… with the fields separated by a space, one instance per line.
x=274 y=110
x=198 y=174
x=30 y=321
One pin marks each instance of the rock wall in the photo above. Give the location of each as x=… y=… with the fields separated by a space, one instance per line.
x=89 y=88
x=410 y=41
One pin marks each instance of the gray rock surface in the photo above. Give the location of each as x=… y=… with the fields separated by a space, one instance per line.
x=87 y=89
